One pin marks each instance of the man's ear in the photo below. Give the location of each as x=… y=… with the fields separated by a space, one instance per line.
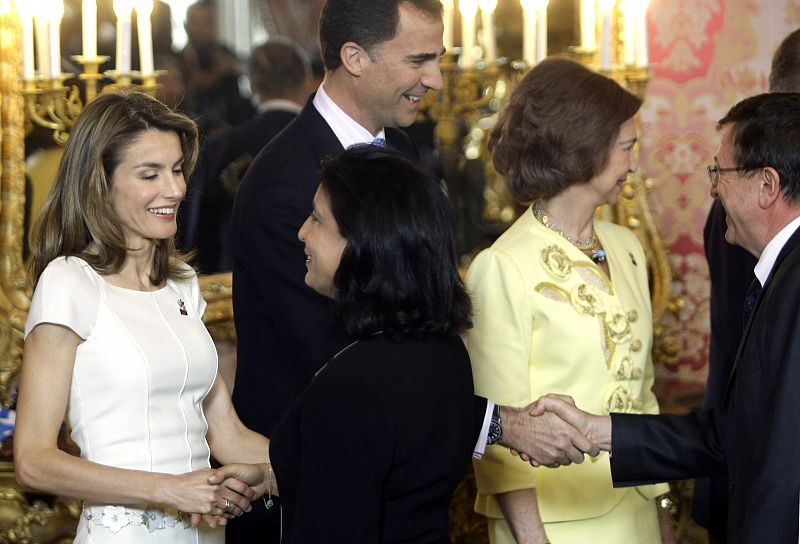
x=769 y=186
x=353 y=58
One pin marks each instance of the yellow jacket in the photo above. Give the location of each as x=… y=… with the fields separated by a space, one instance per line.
x=548 y=320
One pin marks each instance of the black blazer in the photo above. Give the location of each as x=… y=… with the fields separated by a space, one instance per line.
x=730 y=268
x=373 y=449
x=754 y=431
x=225 y=158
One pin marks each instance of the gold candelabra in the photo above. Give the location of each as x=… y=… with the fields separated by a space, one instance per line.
x=54 y=104
x=52 y=98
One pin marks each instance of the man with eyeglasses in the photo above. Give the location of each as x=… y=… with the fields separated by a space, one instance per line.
x=752 y=434
x=730 y=269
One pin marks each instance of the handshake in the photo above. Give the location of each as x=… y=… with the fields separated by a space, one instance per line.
x=552 y=432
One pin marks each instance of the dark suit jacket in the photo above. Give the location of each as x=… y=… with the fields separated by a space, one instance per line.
x=374 y=447
x=731 y=271
x=225 y=159
x=285 y=330
x=753 y=432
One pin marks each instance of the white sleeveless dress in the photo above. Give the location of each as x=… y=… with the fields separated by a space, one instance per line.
x=136 y=398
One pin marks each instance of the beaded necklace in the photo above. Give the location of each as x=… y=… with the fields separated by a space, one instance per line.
x=591 y=247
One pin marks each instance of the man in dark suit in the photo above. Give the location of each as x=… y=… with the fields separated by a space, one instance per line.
x=211 y=71
x=380 y=57
x=752 y=433
x=279 y=75
x=731 y=272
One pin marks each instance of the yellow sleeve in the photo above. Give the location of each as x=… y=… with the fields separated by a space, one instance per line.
x=499 y=347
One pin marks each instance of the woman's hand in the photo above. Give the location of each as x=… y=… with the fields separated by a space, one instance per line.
x=667 y=526
x=235 y=475
x=198 y=493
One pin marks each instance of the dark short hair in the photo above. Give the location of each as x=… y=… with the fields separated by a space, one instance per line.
x=784 y=76
x=278 y=68
x=201 y=4
x=399 y=271
x=365 y=22
x=557 y=128
x=766 y=132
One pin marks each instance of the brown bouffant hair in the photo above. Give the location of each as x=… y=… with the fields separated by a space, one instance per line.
x=557 y=128
x=78 y=210
x=784 y=75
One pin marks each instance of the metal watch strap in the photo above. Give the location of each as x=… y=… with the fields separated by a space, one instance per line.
x=495 y=427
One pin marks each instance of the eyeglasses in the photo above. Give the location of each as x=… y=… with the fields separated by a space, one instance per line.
x=715 y=170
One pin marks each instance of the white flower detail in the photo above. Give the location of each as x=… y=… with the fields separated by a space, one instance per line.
x=154 y=519
x=114 y=518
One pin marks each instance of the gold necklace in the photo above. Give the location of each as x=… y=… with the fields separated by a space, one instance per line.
x=540 y=214
x=591 y=248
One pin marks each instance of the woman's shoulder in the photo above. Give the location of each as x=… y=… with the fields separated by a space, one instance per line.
x=618 y=234
x=71 y=270
x=614 y=230
x=184 y=273
x=398 y=347
x=67 y=293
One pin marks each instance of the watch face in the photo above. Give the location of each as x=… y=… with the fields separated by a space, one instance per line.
x=495 y=432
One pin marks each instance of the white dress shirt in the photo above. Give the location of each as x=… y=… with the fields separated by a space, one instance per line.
x=767 y=259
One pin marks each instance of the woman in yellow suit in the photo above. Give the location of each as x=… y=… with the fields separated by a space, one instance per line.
x=562 y=306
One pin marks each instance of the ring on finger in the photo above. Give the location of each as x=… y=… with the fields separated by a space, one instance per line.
x=228 y=506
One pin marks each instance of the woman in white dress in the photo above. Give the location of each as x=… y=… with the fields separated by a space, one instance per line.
x=115 y=341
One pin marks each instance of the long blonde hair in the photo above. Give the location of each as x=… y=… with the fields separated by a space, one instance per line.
x=78 y=210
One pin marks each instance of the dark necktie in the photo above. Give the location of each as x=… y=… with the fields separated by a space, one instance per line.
x=750 y=299
x=380 y=142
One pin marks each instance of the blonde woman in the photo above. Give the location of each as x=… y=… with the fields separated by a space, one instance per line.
x=562 y=306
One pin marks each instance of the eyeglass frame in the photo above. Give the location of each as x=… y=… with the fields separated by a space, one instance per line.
x=715 y=170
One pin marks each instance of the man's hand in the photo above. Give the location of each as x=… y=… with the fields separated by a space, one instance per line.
x=597 y=429
x=543 y=438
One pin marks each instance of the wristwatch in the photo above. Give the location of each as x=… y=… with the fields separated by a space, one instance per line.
x=495 y=427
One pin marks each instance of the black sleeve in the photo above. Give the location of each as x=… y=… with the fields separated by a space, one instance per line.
x=648 y=449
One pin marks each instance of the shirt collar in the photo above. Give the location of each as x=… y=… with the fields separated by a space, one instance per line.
x=770 y=254
x=279 y=104
x=346 y=129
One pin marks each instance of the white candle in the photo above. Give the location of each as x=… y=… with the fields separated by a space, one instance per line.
x=89 y=28
x=606 y=6
x=630 y=20
x=143 y=26
x=588 y=25
x=123 y=9
x=541 y=31
x=42 y=45
x=528 y=32
x=26 y=18
x=447 y=19
x=469 y=9
x=487 y=28
x=642 y=57
x=56 y=12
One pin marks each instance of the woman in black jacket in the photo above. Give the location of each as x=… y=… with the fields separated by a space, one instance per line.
x=373 y=448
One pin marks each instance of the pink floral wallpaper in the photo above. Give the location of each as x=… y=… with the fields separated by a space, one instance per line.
x=705 y=55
